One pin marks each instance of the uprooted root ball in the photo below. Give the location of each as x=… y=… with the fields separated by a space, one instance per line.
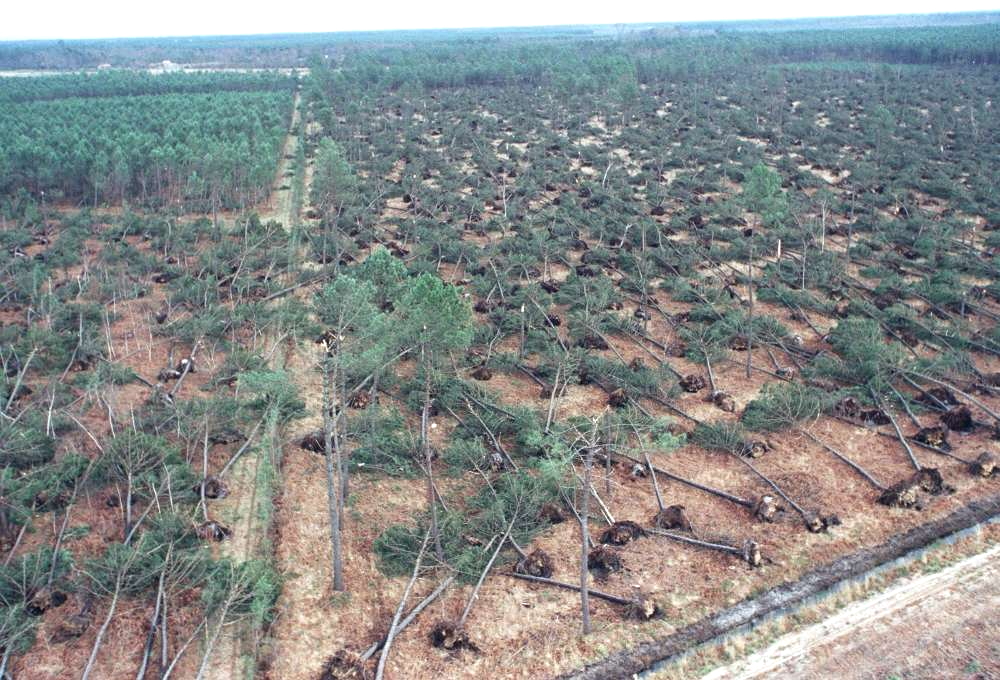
x=313 y=442
x=677 y=349
x=592 y=342
x=739 y=343
x=345 y=665
x=984 y=466
x=936 y=396
x=931 y=481
x=552 y=513
x=766 y=508
x=535 y=563
x=603 y=561
x=851 y=408
x=621 y=533
x=902 y=494
x=446 y=635
x=751 y=553
x=958 y=418
x=724 y=401
x=643 y=608
x=213 y=487
x=755 y=448
x=482 y=373
x=618 y=398
x=906 y=493
x=213 y=531
x=672 y=517
x=360 y=401
x=692 y=383
x=44 y=599
x=936 y=436
x=819 y=524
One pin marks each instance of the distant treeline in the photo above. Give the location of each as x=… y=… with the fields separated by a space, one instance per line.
x=938 y=45
x=946 y=38
x=126 y=83
x=653 y=58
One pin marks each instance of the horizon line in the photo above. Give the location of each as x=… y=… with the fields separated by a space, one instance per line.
x=515 y=27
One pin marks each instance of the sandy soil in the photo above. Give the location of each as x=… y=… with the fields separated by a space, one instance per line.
x=531 y=631
x=935 y=625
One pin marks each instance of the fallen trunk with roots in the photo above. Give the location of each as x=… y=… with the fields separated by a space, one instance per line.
x=814 y=522
x=643 y=607
x=749 y=552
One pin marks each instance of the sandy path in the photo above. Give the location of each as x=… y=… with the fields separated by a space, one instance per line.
x=935 y=625
x=241 y=509
x=279 y=205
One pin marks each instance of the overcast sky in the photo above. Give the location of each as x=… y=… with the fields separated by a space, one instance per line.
x=30 y=19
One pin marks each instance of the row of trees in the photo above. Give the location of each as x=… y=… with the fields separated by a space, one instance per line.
x=206 y=150
x=121 y=83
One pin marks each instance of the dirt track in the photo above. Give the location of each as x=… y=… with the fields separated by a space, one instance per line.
x=936 y=625
x=241 y=508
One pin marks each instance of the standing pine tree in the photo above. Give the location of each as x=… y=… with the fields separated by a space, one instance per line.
x=762 y=195
x=347 y=308
x=437 y=321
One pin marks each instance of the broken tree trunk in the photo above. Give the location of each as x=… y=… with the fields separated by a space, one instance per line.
x=390 y=636
x=428 y=457
x=929 y=447
x=899 y=432
x=811 y=521
x=482 y=577
x=652 y=476
x=333 y=487
x=986 y=409
x=154 y=620
x=605 y=512
x=115 y=596
x=614 y=599
x=711 y=375
x=854 y=466
x=750 y=552
x=408 y=619
x=241 y=450
x=576 y=514
x=750 y=311
x=695 y=485
x=585 y=539
x=904 y=402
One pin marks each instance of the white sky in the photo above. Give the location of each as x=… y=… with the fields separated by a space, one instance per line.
x=31 y=19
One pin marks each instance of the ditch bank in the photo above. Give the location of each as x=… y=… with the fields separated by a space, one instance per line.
x=788 y=596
